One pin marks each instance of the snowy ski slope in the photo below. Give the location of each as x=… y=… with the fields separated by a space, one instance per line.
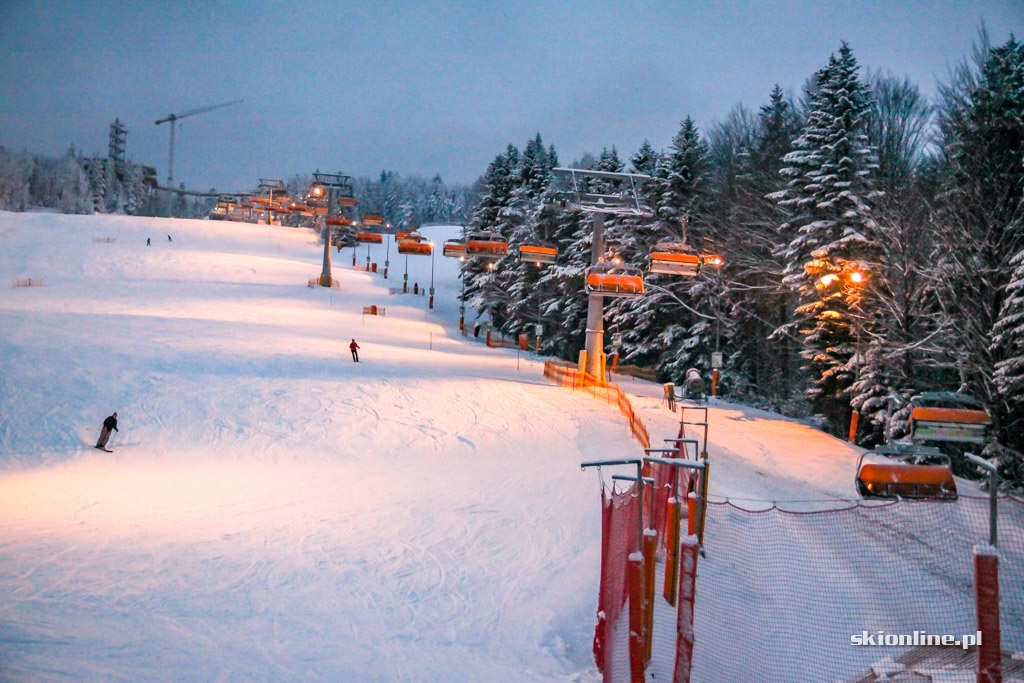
x=274 y=511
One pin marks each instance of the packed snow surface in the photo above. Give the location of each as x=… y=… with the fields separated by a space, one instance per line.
x=274 y=511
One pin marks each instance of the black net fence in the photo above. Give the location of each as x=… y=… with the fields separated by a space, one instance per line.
x=782 y=595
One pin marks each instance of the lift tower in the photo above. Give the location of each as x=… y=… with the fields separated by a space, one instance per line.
x=598 y=193
x=330 y=191
x=173 y=118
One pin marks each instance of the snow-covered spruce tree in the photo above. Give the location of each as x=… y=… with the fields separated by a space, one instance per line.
x=72 y=185
x=528 y=202
x=905 y=340
x=686 y=328
x=484 y=290
x=758 y=303
x=1009 y=336
x=98 y=183
x=831 y=232
x=982 y=218
x=656 y=327
x=136 y=193
x=16 y=171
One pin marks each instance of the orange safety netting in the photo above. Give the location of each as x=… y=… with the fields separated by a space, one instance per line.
x=568 y=376
x=646 y=600
x=619 y=539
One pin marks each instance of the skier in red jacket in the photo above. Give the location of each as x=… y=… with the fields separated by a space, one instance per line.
x=353 y=347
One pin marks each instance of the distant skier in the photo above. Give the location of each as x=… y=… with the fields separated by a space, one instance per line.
x=108 y=424
x=354 y=348
x=147 y=242
x=169 y=239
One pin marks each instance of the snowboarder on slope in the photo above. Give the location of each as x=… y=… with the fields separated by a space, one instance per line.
x=354 y=348
x=169 y=238
x=108 y=424
x=147 y=241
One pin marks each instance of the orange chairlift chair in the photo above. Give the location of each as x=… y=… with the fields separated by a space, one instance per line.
x=539 y=253
x=414 y=244
x=914 y=471
x=454 y=249
x=675 y=259
x=935 y=417
x=949 y=417
x=487 y=245
x=369 y=238
x=614 y=281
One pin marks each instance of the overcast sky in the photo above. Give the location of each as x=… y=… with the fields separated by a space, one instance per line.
x=431 y=87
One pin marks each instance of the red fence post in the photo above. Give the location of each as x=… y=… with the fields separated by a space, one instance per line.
x=986 y=597
x=691 y=513
x=637 y=648
x=649 y=549
x=684 y=620
x=671 y=550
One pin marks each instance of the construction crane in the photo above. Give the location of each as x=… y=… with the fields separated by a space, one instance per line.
x=172 y=118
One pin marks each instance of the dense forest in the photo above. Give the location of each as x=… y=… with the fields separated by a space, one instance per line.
x=75 y=183
x=873 y=247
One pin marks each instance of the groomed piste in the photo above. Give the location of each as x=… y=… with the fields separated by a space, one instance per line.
x=272 y=510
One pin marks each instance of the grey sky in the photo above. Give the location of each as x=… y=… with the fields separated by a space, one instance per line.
x=431 y=87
